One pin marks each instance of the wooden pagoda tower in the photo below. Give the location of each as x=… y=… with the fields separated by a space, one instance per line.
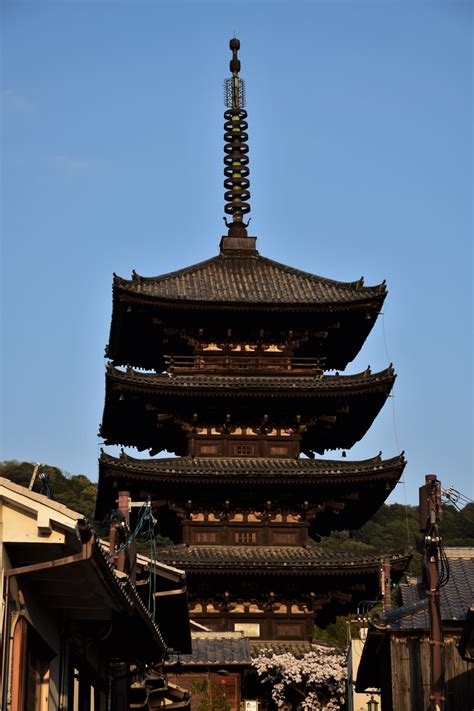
x=223 y=364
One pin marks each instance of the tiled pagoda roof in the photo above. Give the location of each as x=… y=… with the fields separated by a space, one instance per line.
x=246 y=384
x=248 y=278
x=352 y=401
x=355 y=488
x=284 y=560
x=249 y=469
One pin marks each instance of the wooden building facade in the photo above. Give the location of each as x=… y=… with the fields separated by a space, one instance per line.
x=71 y=627
x=397 y=654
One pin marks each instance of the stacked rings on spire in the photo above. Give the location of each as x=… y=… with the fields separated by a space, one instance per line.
x=236 y=161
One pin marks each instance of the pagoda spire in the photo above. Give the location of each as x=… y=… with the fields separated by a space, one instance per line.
x=236 y=160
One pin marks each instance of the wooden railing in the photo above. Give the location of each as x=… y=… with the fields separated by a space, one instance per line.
x=270 y=363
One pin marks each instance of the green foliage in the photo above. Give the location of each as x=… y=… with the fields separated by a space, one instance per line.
x=396 y=527
x=391 y=529
x=335 y=633
x=457 y=527
x=211 y=697
x=339 y=539
x=339 y=632
x=76 y=492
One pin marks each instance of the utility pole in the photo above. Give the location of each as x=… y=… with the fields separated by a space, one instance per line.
x=430 y=517
x=386 y=583
x=33 y=476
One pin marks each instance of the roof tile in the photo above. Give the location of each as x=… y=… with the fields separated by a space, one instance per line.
x=455 y=599
x=222 y=650
x=243 y=384
x=252 y=467
x=248 y=278
x=267 y=558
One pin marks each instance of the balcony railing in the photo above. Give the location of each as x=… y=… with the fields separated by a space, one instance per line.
x=268 y=363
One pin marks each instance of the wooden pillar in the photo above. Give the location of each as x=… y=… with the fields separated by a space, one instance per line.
x=18 y=665
x=386 y=584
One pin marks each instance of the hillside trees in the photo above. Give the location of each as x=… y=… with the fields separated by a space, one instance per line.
x=77 y=492
x=393 y=527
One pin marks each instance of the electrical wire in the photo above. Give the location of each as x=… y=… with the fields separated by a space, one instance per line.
x=443 y=566
x=144 y=515
x=454 y=496
x=395 y=431
x=150 y=536
x=144 y=531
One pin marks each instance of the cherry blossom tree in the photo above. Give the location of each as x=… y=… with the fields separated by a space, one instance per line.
x=316 y=682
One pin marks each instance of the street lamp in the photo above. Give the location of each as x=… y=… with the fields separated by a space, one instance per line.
x=372 y=705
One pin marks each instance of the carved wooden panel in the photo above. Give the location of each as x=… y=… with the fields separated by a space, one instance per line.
x=278 y=451
x=285 y=538
x=289 y=630
x=204 y=537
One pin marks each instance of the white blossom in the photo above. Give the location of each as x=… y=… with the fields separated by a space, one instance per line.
x=316 y=682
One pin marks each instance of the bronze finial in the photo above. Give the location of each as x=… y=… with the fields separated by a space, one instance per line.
x=236 y=160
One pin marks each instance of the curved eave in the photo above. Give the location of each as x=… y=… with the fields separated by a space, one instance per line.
x=347 y=491
x=138 y=319
x=234 y=470
x=338 y=410
x=246 y=278
x=195 y=560
x=251 y=386
x=367 y=299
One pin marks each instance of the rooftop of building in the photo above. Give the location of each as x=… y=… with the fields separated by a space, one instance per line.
x=285 y=560
x=243 y=275
x=242 y=384
x=456 y=596
x=248 y=468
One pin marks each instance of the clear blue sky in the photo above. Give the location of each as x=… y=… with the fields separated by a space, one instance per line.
x=360 y=120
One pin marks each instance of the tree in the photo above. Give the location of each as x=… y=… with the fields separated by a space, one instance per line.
x=77 y=491
x=211 y=697
x=316 y=682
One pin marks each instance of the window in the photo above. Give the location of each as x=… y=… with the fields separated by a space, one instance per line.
x=250 y=629
x=245 y=537
x=243 y=450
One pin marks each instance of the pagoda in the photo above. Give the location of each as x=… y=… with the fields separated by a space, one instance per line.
x=225 y=365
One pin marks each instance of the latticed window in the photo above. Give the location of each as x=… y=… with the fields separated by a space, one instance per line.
x=244 y=449
x=245 y=537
